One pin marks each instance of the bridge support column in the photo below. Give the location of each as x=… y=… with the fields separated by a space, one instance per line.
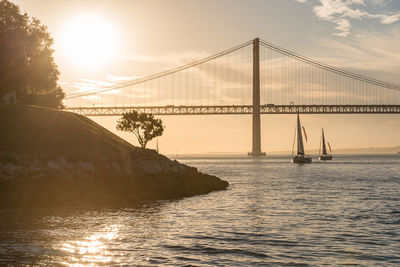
x=256 y=149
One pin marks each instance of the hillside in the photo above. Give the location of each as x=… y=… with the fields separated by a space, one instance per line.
x=50 y=157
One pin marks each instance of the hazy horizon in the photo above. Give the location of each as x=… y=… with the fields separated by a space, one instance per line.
x=340 y=151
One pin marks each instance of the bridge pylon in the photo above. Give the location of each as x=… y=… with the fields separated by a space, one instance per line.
x=256 y=148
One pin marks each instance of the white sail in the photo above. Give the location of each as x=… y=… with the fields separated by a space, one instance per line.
x=300 y=145
x=300 y=158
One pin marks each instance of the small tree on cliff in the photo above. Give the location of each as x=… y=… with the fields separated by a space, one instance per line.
x=144 y=126
x=27 y=66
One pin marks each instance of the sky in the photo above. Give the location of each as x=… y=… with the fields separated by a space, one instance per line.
x=146 y=37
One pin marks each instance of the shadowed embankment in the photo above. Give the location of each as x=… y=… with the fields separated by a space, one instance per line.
x=55 y=158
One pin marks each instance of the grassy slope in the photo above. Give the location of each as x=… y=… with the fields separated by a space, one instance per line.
x=37 y=130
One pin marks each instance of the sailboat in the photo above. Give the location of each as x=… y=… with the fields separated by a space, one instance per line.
x=324 y=155
x=300 y=157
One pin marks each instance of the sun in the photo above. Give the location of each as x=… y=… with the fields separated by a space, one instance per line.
x=88 y=41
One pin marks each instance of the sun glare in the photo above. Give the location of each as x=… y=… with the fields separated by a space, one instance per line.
x=88 y=41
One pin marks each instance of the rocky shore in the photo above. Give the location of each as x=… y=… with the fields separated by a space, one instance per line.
x=55 y=158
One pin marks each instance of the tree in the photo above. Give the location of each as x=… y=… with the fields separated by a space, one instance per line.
x=27 y=66
x=144 y=126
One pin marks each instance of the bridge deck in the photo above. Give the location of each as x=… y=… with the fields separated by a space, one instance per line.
x=239 y=109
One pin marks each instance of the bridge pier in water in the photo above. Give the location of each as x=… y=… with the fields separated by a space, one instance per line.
x=256 y=148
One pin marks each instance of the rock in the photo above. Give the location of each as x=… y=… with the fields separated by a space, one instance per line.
x=55 y=158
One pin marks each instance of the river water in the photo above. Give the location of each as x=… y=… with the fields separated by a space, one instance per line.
x=344 y=212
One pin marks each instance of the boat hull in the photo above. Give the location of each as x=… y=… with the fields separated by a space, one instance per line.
x=325 y=157
x=302 y=159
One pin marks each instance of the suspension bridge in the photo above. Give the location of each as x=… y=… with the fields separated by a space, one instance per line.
x=255 y=78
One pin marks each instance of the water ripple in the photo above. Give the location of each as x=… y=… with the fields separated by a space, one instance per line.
x=344 y=212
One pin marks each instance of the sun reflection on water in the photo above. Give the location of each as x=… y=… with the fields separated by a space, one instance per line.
x=91 y=249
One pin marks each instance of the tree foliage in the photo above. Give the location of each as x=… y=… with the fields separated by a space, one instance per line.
x=27 y=65
x=144 y=126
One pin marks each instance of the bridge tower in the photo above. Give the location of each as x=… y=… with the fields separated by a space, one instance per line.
x=256 y=149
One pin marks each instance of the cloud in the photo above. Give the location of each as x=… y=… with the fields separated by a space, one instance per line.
x=116 y=79
x=342 y=12
x=87 y=85
x=390 y=19
x=168 y=61
x=371 y=53
x=168 y=58
x=343 y=27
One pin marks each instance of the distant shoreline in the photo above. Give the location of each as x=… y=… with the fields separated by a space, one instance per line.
x=244 y=155
x=341 y=151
